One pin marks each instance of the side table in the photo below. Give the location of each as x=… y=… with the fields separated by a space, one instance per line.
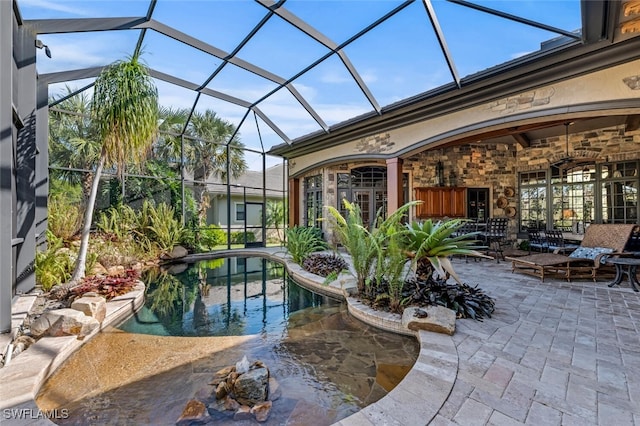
x=628 y=266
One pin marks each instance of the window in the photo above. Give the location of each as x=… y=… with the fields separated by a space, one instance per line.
x=313 y=201
x=533 y=207
x=240 y=215
x=619 y=195
x=573 y=203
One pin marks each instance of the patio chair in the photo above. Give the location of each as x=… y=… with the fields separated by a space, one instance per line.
x=495 y=235
x=600 y=240
x=556 y=243
x=537 y=240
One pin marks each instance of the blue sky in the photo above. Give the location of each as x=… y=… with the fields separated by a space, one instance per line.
x=398 y=59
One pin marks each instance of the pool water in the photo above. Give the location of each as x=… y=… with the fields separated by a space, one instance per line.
x=328 y=364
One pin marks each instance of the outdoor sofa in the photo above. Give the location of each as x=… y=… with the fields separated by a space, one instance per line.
x=586 y=261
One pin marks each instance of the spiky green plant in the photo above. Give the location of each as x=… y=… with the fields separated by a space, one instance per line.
x=366 y=248
x=52 y=266
x=433 y=242
x=302 y=241
x=164 y=229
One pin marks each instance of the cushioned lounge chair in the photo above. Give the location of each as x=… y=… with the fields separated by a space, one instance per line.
x=600 y=240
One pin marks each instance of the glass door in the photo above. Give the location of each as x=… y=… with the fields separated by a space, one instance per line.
x=362 y=197
x=253 y=225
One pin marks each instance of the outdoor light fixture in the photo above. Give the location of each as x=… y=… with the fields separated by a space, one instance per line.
x=440 y=173
x=40 y=45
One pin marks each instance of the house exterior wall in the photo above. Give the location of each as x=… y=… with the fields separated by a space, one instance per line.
x=614 y=91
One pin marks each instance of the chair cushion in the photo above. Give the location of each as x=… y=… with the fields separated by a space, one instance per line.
x=590 y=252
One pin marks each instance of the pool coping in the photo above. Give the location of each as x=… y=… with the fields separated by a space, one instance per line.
x=415 y=400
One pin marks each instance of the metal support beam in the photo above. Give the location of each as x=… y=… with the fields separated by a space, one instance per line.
x=7 y=275
x=24 y=50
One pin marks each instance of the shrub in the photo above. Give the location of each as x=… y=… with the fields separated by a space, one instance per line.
x=64 y=218
x=53 y=265
x=210 y=237
x=302 y=241
x=238 y=237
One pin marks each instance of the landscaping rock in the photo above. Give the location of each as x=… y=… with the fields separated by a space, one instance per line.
x=438 y=319
x=195 y=412
x=178 y=252
x=243 y=413
x=274 y=389
x=251 y=388
x=92 y=306
x=22 y=343
x=98 y=269
x=262 y=411
x=115 y=270
x=64 y=322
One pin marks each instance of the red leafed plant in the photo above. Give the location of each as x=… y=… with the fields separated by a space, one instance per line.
x=110 y=286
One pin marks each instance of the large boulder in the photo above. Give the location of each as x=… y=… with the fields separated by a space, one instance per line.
x=432 y=318
x=250 y=388
x=92 y=306
x=64 y=322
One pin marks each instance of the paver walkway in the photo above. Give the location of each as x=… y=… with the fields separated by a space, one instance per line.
x=555 y=353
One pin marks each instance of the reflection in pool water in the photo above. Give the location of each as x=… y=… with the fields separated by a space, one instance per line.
x=210 y=315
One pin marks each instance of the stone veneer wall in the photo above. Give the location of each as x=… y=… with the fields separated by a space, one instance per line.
x=604 y=145
x=489 y=165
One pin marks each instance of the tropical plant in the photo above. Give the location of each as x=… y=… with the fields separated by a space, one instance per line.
x=118 y=222
x=64 y=218
x=124 y=110
x=431 y=243
x=366 y=248
x=302 y=241
x=159 y=224
x=74 y=143
x=53 y=265
x=275 y=216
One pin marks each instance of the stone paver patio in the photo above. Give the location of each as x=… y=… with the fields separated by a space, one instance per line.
x=554 y=353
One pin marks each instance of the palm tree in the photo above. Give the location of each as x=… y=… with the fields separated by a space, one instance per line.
x=125 y=112
x=275 y=216
x=207 y=153
x=73 y=139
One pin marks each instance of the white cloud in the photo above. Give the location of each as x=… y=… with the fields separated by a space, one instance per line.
x=55 y=6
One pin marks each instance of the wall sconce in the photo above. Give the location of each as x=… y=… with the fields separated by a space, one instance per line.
x=439 y=173
x=41 y=45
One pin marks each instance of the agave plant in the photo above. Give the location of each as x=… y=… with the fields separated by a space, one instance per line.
x=431 y=243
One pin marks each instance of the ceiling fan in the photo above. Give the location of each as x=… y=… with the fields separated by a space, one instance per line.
x=567 y=158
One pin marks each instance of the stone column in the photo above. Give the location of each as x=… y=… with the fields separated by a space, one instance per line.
x=395 y=194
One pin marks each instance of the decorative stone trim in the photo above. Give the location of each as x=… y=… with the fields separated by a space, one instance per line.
x=375 y=144
x=522 y=101
x=633 y=82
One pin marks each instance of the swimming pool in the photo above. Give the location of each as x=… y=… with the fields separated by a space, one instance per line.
x=209 y=315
